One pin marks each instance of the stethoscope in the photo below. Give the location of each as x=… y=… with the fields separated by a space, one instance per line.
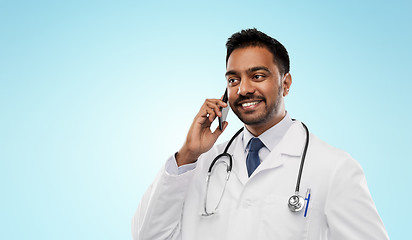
x=295 y=203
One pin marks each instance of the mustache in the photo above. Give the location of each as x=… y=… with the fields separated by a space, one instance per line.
x=249 y=97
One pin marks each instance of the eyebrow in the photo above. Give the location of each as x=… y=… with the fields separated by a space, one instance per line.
x=231 y=72
x=250 y=70
x=258 y=68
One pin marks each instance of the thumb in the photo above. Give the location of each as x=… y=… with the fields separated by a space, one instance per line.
x=218 y=132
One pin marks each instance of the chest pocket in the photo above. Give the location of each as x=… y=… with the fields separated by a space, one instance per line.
x=278 y=222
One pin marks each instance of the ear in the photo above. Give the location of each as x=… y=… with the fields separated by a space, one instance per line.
x=286 y=82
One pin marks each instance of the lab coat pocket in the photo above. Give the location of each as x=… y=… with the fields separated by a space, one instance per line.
x=279 y=222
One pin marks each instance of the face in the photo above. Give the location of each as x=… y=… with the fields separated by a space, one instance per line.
x=255 y=86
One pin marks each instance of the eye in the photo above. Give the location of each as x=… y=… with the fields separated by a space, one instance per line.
x=258 y=77
x=232 y=81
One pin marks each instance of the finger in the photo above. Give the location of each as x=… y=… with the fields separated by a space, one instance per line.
x=210 y=114
x=217 y=102
x=220 y=103
x=215 y=108
x=224 y=125
x=205 y=111
x=217 y=131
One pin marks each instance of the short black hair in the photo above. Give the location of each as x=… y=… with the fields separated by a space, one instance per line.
x=253 y=37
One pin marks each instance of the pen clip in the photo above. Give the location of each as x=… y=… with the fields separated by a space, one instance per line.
x=307 y=199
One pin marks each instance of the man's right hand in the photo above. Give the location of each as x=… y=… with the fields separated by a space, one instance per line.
x=200 y=138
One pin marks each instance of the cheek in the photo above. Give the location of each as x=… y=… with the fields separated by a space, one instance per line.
x=232 y=94
x=270 y=90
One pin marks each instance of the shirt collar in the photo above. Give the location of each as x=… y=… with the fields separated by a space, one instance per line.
x=270 y=137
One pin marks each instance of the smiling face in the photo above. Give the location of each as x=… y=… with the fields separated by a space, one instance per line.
x=256 y=88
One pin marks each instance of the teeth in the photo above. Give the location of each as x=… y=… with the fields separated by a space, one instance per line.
x=249 y=104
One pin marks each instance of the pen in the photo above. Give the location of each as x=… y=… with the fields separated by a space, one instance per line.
x=307 y=201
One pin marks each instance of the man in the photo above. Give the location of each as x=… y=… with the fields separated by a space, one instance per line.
x=253 y=202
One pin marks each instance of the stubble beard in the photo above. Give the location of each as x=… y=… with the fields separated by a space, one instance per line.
x=265 y=116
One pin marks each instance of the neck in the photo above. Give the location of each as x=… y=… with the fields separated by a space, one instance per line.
x=258 y=129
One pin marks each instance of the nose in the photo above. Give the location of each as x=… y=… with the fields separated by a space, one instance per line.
x=246 y=87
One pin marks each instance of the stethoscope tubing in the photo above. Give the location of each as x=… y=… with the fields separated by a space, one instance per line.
x=302 y=162
x=225 y=153
x=295 y=201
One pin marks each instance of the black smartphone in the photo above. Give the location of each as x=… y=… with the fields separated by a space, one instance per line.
x=224 y=111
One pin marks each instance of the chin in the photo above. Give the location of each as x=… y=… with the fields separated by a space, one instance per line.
x=252 y=120
x=257 y=118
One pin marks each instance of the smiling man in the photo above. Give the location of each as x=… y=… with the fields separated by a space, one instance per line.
x=251 y=190
x=256 y=88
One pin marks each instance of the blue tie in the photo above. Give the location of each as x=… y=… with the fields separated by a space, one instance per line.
x=252 y=160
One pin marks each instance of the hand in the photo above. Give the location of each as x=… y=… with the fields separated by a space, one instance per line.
x=200 y=138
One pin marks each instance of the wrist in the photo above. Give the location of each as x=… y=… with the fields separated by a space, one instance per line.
x=185 y=156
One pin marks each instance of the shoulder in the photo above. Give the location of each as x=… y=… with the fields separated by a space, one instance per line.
x=330 y=171
x=320 y=155
x=328 y=154
x=333 y=167
x=330 y=164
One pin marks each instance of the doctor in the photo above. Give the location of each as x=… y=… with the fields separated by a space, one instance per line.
x=253 y=202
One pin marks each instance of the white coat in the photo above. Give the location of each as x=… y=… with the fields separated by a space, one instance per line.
x=341 y=206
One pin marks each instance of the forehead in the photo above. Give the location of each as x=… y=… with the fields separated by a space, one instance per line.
x=246 y=58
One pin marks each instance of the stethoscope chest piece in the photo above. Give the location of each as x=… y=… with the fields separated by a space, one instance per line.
x=296 y=203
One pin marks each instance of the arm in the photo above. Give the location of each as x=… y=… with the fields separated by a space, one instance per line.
x=350 y=210
x=160 y=211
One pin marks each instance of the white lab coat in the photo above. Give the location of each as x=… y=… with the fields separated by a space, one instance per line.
x=341 y=206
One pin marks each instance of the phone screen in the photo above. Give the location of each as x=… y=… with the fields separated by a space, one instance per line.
x=224 y=111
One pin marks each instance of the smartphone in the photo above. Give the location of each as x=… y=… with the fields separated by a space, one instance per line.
x=224 y=111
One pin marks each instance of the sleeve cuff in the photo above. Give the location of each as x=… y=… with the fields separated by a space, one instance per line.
x=172 y=168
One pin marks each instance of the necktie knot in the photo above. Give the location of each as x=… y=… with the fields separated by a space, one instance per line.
x=255 y=145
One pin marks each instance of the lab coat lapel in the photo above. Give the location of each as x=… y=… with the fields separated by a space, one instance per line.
x=292 y=145
x=239 y=160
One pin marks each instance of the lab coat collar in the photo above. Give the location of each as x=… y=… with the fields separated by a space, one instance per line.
x=270 y=137
x=291 y=144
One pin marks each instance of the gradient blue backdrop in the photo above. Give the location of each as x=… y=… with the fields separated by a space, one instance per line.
x=95 y=95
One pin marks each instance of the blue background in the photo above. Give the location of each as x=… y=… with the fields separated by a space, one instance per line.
x=96 y=95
